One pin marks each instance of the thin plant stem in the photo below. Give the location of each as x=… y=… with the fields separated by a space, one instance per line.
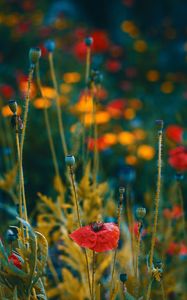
x=59 y=111
x=95 y=162
x=138 y=248
x=121 y=197
x=157 y=197
x=163 y=291
x=131 y=225
x=72 y=181
x=47 y=123
x=93 y=274
x=149 y=290
x=25 y=117
x=181 y=199
x=20 y=175
x=87 y=73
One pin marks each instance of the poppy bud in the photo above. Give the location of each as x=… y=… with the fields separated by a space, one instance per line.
x=34 y=55
x=50 y=45
x=123 y=277
x=11 y=236
x=88 y=41
x=160 y=124
x=179 y=176
x=121 y=190
x=140 y=212
x=70 y=160
x=16 y=122
x=13 y=106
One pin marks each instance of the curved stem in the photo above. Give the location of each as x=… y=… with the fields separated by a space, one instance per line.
x=59 y=111
x=149 y=290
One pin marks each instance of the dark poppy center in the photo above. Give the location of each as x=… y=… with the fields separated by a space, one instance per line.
x=96 y=226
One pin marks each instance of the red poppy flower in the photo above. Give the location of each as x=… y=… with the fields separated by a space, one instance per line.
x=7 y=91
x=115 y=107
x=101 y=41
x=79 y=50
x=100 y=142
x=173 y=248
x=178 y=158
x=113 y=65
x=15 y=260
x=174 y=133
x=174 y=213
x=98 y=236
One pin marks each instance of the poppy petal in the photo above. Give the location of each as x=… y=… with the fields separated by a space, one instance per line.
x=84 y=237
x=107 y=238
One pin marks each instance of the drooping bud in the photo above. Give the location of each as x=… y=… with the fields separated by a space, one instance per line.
x=50 y=45
x=70 y=160
x=13 y=106
x=34 y=55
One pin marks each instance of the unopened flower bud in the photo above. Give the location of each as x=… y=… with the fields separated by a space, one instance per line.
x=11 y=236
x=88 y=41
x=160 y=124
x=123 y=277
x=121 y=190
x=140 y=212
x=13 y=106
x=50 y=45
x=70 y=160
x=34 y=55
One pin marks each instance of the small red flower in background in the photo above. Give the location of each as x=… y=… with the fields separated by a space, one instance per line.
x=115 y=107
x=183 y=250
x=113 y=65
x=101 y=41
x=100 y=142
x=7 y=91
x=174 y=133
x=79 y=50
x=15 y=260
x=173 y=248
x=175 y=213
x=178 y=158
x=98 y=236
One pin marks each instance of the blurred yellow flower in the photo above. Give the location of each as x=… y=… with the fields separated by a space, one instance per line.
x=167 y=87
x=41 y=103
x=140 y=46
x=126 y=138
x=110 y=138
x=152 y=75
x=48 y=92
x=6 y=112
x=135 y=103
x=85 y=103
x=131 y=159
x=129 y=114
x=139 y=134
x=65 y=88
x=102 y=117
x=72 y=77
x=145 y=152
x=130 y=28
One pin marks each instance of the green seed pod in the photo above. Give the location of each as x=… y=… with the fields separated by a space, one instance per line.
x=88 y=41
x=13 y=106
x=121 y=190
x=140 y=212
x=123 y=277
x=34 y=55
x=70 y=160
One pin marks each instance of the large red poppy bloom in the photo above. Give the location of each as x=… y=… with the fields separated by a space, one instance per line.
x=97 y=236
x=178 y=158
